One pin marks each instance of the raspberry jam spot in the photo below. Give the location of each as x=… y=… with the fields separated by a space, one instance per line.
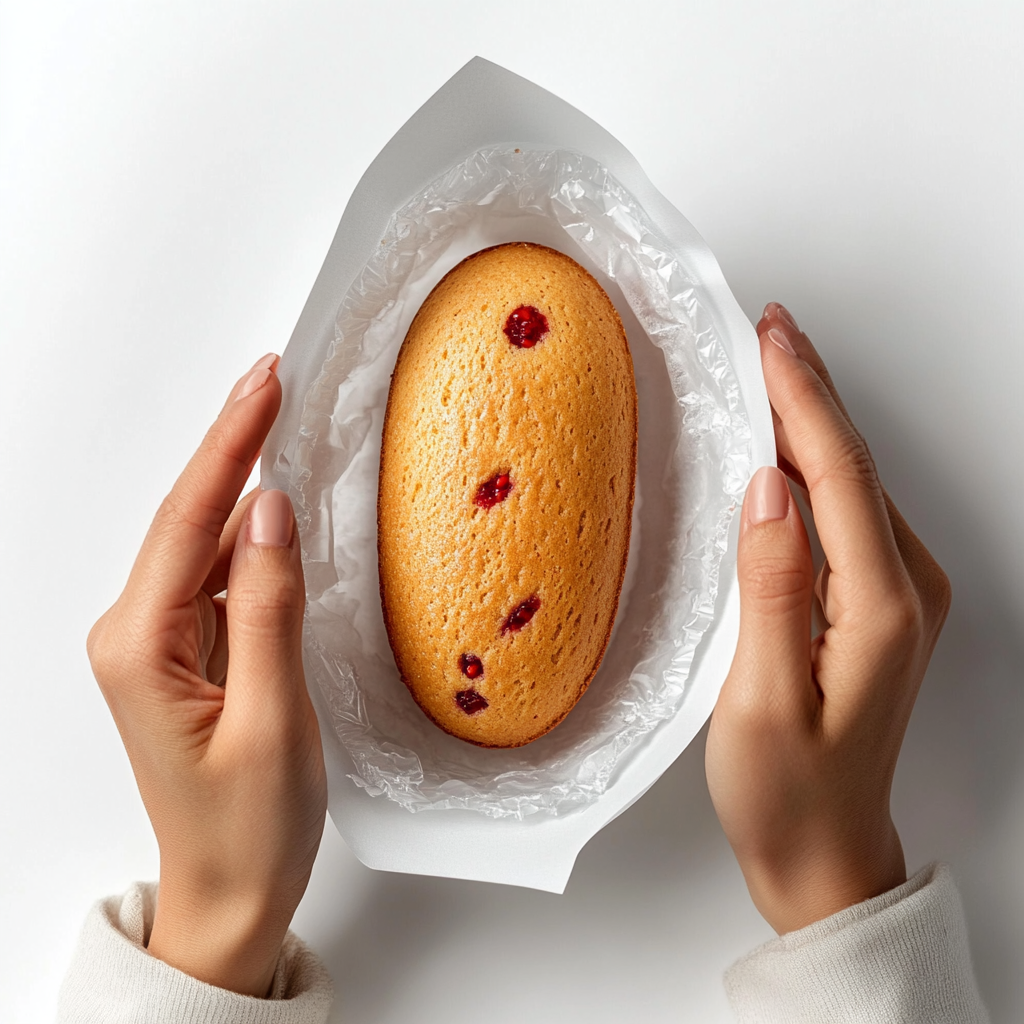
x=520 y=615
x=493 y=491
x=525 y=326
x=470 y=701
x=471 y=666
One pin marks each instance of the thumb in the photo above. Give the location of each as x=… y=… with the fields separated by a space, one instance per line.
x=265 y=603
x=776 y=579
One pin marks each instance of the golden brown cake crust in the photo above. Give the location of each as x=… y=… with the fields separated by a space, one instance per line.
x=559 y=419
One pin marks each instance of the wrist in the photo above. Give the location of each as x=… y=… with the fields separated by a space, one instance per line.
x=795 y=892
x=229 y=941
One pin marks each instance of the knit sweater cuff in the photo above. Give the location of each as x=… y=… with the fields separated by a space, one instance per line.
x=114 y=980
x=900 y=958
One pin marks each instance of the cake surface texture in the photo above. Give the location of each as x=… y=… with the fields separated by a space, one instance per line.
x=507 y=472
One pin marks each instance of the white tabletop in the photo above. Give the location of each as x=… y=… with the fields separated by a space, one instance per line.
x=171 y=176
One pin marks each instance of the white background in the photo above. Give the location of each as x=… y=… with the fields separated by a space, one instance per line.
x=172 y=175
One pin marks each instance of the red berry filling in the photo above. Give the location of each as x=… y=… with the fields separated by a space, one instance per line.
x=470 y=701
x=493 y=491
x=525 y=326
x=471 y=666
x=520 y=615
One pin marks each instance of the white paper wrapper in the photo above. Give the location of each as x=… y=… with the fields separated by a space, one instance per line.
x=703 y=428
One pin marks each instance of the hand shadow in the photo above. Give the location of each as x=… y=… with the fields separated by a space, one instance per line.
x=956 y=795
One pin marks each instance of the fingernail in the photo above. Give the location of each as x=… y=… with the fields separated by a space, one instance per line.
x=267 y=362
x=270 y=520
x=777 y=337
x=784 y=314
x=767 y=496
x=254 y=382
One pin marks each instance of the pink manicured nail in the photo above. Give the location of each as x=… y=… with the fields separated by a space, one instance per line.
x=267 y=362
x=767 y=496
x=270 y=520
x=784 y=314
x=776 y=337
x=254 y=382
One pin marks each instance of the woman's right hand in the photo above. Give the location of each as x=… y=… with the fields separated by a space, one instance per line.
x=806 y=733
x=225 y=745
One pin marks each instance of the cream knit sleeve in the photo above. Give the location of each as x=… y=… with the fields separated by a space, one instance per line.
x=112 y=979
x=900 y=958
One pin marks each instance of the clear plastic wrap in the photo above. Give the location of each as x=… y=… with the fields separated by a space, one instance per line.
x=694 y=461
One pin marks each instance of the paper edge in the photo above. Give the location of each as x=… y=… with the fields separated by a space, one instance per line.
x=534 y=853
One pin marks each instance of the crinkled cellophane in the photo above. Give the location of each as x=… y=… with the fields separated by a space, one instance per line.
x=694 y=461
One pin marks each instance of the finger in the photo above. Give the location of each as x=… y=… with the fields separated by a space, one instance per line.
x=271 y=361
x=208 y=631
x=776 y=315
x=849 y=506
x=265 y=603
x=182 y=544
x=821 y=589
x=217 y=580
x=927 y=576
x=930 y=582
x=217 y=661
x=784 y=453
x=771 y=671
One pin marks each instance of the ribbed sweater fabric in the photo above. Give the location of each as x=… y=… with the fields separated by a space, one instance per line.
x=900 y=958
x=113 y=980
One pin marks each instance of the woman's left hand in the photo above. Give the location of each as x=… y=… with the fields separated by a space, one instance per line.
x=226 y=751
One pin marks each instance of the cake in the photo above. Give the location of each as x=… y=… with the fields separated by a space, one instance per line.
x=507 y=471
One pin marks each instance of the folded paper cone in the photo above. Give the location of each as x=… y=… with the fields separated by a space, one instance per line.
x=489 y=159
